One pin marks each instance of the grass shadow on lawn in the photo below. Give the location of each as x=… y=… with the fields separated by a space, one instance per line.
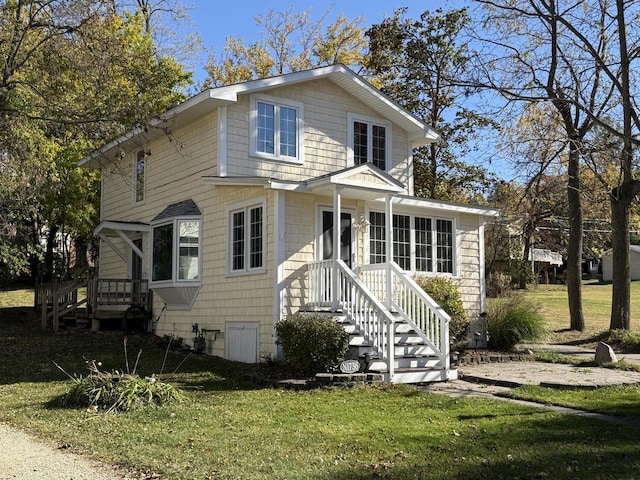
x=28 y=353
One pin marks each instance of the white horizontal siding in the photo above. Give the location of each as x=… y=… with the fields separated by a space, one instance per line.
x=325 y=139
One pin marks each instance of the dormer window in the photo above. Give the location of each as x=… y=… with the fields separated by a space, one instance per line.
x=369 y=142
x=276 y=128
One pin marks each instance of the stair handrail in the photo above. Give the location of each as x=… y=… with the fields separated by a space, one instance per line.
x=417 y=308
x=63 y=299
x=374 y=321
x=358 y=303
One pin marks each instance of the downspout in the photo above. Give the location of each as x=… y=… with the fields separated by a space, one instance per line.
x=335 y=297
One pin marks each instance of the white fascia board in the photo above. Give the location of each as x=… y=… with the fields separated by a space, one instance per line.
x=404 y=200
x=188 y=110
x=267 y=183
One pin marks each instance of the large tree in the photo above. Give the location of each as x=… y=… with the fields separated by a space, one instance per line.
x=75 y=74
x=291 y=41
x=577 y=56
x=419 y=64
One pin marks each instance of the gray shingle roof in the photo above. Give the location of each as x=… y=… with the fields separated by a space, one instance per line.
x=186 y=208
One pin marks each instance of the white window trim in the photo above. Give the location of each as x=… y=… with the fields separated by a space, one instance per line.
x=412 y=235
x=253 y=128
x=246 y=206
x=175 y=281
x=137 y=202
x=370 y=121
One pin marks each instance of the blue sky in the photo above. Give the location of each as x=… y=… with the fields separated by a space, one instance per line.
x=216 y=19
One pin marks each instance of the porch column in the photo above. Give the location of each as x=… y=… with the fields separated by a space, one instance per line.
x=335 y=295
x=388 y=228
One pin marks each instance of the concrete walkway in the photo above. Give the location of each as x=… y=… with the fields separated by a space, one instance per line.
x=490 y=379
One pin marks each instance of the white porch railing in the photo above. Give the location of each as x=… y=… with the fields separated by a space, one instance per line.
x=417 y=308
x=358 y=303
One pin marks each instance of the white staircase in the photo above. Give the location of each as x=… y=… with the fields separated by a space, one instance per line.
x=406 y=343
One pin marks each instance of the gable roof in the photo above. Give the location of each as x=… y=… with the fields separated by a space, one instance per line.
x=419 y=132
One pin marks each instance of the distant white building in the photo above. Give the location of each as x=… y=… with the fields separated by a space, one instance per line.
x=634 y=264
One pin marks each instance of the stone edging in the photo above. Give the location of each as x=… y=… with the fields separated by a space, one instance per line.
x=480 y=357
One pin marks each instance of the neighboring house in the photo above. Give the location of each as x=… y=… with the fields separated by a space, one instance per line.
x=634 y=264
x=227 y=205
x=545 y=263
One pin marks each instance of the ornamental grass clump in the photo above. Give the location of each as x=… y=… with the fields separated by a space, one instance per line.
x=512 y=320
x=117 y=391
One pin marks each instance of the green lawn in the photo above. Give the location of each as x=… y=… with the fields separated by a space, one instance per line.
x=596 y=306
x=230 y=429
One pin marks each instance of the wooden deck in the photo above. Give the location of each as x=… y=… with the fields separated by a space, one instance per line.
x=97 y=295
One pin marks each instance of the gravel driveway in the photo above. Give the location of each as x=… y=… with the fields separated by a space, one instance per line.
x=25 y=458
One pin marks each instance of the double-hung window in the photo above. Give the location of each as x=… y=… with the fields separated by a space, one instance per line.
x=246 y=238
x=138 y=177
x=369 y=141
x=414 y=233
x=276 y=128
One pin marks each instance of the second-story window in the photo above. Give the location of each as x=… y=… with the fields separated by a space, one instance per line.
x=369 y=142
x=138 y=174
x=276 y=129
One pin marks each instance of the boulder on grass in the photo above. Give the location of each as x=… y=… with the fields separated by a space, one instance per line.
x=605 y=354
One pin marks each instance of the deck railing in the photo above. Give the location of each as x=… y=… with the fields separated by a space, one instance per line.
x=56 y=299
x=104 y=292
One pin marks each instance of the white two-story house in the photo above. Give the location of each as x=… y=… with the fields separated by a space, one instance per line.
x=227 y=205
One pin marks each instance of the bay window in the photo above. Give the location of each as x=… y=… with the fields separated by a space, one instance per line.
x=175 y=253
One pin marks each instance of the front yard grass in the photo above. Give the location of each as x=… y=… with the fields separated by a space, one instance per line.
x=618 y=401
x=229 y=429
x=596 y=306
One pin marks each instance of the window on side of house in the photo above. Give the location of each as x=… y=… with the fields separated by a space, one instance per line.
x=276 y=128
x=176 y=251
x=414 y=233
x=376 y=238
x=402 y=241
x=162 y=252
x=424 y=244
x=189 y=250
x=139 y=176
x=246 y=239
x=368 y=142
x=444 y=245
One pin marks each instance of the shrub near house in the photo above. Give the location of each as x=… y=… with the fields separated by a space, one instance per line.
x=311 y=343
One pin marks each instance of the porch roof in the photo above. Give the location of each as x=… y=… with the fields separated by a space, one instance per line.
x=110 y=228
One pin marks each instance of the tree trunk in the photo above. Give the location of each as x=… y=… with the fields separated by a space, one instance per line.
x=574 y=248
x=621 y=298
x=524 y=275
